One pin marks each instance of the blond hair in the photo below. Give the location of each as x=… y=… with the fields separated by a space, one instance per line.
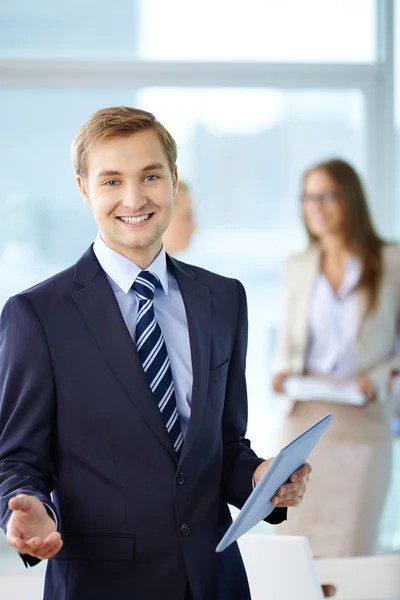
x=118 y=121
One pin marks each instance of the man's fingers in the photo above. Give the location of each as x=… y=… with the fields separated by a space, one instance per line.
x=33 y=545
x=37 y=543
x=292 y=487
x=51 y=551
x=14 y=537
x=292 y=492
x=48 y=550
x=290 y=501
x=21 y=502
x=289 y=496
x=15 y=542
x=52 y=538
x=292 y=495
x=302 y=472
x=42 y=549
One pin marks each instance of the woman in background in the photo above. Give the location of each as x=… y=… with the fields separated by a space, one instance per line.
x=341 y=319
x=179 y=232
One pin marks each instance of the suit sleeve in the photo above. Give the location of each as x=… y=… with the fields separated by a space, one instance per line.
x=27 y=407
x=240 y=461
x=381 y=373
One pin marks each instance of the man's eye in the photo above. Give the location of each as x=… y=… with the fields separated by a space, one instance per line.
x=111 y=183
x=151 y=177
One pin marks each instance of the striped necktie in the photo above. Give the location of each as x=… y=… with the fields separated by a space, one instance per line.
x=153 y=354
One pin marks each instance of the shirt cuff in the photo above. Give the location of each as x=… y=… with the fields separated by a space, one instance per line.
x=52 y=514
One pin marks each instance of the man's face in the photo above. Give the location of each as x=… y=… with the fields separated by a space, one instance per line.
x=131 y=190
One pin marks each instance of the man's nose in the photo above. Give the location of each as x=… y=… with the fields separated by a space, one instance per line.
x=134 y=198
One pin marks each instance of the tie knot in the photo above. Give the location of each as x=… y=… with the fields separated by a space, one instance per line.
x=145 y=285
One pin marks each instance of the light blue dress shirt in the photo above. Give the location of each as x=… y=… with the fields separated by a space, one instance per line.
x=169 y=310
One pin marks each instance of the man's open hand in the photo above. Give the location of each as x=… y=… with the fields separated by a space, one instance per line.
x=30 y=529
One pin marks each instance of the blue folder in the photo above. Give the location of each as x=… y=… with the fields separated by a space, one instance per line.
x=258 y=505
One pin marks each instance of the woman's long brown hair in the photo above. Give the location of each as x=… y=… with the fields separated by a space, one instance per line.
x=360 y=233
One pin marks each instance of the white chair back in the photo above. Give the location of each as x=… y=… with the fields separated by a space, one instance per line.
x=364 y=578
x=279 y=567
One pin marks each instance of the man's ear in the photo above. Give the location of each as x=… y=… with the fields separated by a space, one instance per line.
x=175 y=181
x=83 y=190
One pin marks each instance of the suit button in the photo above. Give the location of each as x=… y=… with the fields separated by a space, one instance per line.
x=185 y=529
x=181 y=478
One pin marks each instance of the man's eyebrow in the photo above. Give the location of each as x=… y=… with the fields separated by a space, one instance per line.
x=108 y=174
x=114 y=173
x=153 y=167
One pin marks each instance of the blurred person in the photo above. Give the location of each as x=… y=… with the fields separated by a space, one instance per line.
x=340 y=322
x=179 y=232
x=137 y=431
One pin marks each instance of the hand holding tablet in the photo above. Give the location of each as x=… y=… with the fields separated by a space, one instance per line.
x=258 y=505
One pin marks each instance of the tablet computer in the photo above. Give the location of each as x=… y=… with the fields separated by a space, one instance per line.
x=258 y=505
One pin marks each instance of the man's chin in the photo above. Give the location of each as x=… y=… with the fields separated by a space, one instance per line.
x=140 y=243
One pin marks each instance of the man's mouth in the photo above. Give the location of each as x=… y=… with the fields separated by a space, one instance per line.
x=134 y=220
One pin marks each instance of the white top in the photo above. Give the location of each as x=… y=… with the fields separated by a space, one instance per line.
x=332 y=325
x=169 y=311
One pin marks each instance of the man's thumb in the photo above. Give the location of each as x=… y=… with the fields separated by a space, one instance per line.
x=21 y=502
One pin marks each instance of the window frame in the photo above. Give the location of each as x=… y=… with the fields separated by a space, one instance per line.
x=374 y=80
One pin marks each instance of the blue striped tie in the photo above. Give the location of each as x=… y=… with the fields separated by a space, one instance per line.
x=153 y=354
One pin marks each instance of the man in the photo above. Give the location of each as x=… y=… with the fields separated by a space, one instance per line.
x=179 y=232
x=123 y=393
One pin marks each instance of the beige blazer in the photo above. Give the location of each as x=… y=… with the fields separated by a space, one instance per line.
x=377 y=332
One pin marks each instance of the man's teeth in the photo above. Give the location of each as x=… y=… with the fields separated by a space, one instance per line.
x=135 y=220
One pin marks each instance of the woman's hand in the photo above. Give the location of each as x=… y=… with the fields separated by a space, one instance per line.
x=277 y=382
x=367 y=387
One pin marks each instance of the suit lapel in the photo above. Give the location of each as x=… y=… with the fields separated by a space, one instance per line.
x=308 y=272
x=362 y=306
x=99 y=308
x=196 y=298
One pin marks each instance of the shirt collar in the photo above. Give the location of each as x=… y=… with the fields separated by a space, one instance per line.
x=351 y=276
x=123 y=271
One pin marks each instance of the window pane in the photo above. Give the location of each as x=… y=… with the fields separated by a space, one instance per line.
x=73 y=28
x=257 y=30
x=265 y=30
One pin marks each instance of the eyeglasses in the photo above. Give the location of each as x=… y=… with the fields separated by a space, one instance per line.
x=326 y=197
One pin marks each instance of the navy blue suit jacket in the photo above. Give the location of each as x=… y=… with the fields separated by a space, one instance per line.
x=77 y=419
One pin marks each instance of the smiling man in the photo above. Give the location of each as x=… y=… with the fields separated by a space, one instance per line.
x=123 y=394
